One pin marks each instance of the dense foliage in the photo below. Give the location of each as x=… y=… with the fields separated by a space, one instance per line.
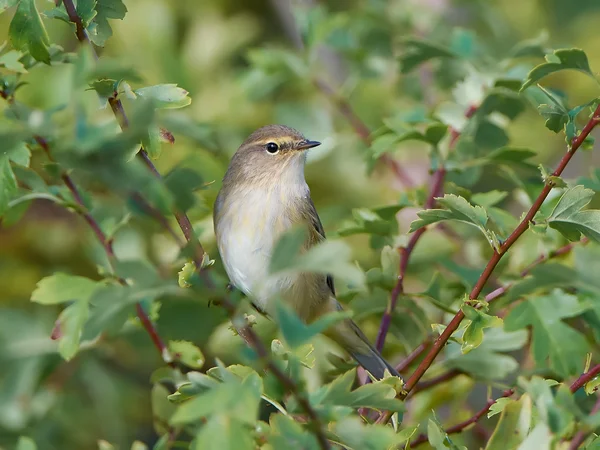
x=456 y=183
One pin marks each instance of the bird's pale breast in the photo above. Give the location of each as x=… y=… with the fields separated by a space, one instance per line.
x=248 y=227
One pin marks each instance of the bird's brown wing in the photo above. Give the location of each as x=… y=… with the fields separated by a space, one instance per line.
x=318 y=227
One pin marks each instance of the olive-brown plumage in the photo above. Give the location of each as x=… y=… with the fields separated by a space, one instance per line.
x=264 y=194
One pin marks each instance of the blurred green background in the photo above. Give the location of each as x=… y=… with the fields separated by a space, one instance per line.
x=216 y=50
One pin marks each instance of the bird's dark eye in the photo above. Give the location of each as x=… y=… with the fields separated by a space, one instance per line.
x=272 y=147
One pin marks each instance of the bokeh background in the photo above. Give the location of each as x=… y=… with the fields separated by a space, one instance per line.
x=218 y=50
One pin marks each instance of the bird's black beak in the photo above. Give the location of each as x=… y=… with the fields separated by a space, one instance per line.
x=306 y=144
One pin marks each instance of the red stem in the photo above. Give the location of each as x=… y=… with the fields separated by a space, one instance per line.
x=422 y=438
x=106 y=244
x=441 y=341
x=186 y=227
x=575 y=386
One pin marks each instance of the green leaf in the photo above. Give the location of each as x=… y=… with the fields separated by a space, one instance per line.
x=234 y=399
x=328 y=258
x=568 y=218
x=11 y=61
x=379 y=395
x=187 y=353
x=355 y=434
x=565 y=347
x=165 y=95
x=473 y=335
x=224 y=433
x=25 y=443
x=457 y=208
x=61 y=287
x=183 y=182
x=562 y=59
x=5 y=4
x=8 y=183
x=19 y=154
x=86 y=10
x=487 y=362
x=27 y=31
x=100 y=30
x=286 y=430
x=438 y=438
x=514 y=423
x=70 y=327
x=418 y=51
x=487 y=199
x=295 y=332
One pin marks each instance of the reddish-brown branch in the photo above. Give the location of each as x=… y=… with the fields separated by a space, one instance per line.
x=106 y=245
x=441 y=341
x=458 y=428
x=418 y=351
x=585 y=378
x=575 y=386
x=186 y=227
x=436 y=190
x=405 y=252
x=581 y=435
x=428 y=384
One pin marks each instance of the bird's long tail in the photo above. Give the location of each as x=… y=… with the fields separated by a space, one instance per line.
x=349 y=336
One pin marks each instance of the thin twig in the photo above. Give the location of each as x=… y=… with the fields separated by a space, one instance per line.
x=418 y=351
x=459 y=427
x=436 y=190
x=428 y=384
x=574 y=387
x=108 y=249
x=441 y=341
x=186 y=227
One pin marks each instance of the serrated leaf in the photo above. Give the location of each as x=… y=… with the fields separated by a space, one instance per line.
x=514 y=423
x=562 y=59
x=27 y=31
x=297 y=333
x=458 y=209
x=235 y=399
x=568 y=218
x=187 y=353
x=100 y=30
x=565 y=347
x=473 y=335
x=438 y=438
x=61 y=287
x=165 y=95
x=11 y=61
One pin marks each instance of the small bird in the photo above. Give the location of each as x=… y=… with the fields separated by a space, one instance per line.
x=263 y=195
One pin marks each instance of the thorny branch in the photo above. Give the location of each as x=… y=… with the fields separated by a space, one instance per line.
x=186 y=227
x=441 y=341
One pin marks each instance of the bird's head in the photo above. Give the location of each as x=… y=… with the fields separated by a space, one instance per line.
x=274 y=153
